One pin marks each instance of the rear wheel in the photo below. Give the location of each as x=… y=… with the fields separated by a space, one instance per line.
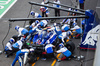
x=70 y=46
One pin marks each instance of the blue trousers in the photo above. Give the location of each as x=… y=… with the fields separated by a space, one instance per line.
x=18 y=57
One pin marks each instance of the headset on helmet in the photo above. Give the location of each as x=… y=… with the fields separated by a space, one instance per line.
x=32 y=13
x=16 y=28
x=12 y=40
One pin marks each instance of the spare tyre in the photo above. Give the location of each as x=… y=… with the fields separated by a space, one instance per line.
x=70 y=46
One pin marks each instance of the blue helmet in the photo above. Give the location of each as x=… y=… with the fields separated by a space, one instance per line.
x=32 y=13
x=11 y=40
x=37 y=21
x=16 y=28
x=61 y=45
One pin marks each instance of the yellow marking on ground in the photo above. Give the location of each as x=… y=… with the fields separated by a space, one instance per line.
x=33 y=64
x=37 y=58
x=55 y=60
x=58 y=55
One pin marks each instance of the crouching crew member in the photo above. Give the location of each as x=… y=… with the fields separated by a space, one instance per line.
x=8 y=47
x=49 y=51
x=67 y=54
x=22 y=31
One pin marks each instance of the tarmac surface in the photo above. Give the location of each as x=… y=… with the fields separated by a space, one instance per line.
x=21 y=10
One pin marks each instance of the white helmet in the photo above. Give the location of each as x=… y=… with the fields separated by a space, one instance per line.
x=16 y=27
x=12 y=40
x=32 y=13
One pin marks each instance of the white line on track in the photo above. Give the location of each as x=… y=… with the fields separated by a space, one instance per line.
x=97 y=7
x=8 y=8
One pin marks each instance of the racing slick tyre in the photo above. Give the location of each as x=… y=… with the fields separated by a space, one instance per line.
x=70 y=46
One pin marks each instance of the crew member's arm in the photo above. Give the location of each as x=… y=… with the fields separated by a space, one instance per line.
x=9 y=46
x=20 y=45
x=58 y=51
x=25 y=59
x=51 y=29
